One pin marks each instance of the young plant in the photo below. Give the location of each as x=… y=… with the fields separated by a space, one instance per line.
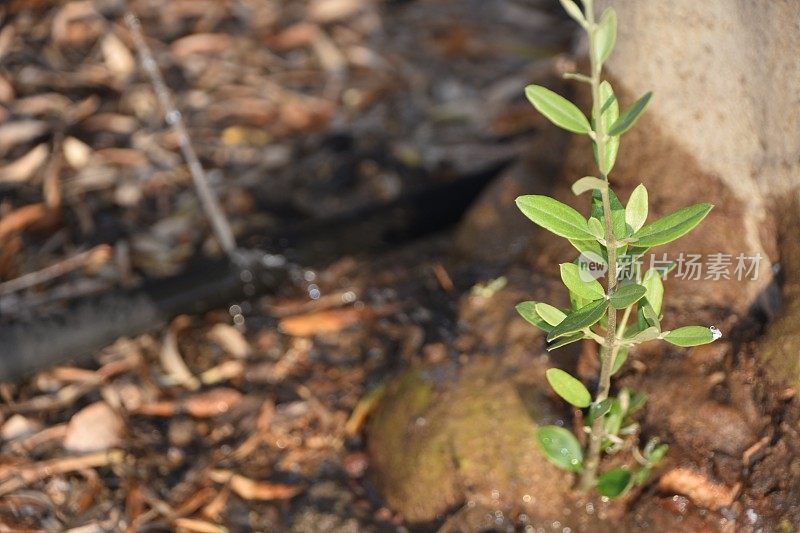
x=612 y=239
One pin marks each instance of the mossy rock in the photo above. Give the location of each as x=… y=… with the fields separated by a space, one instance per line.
x=446 y=435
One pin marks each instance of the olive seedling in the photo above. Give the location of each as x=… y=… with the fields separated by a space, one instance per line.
x=627 y=311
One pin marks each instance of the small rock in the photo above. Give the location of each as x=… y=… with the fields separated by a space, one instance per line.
x=94 y=428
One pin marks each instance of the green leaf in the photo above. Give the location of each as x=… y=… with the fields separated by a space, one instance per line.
x=587 y=183
x=617 y=213
x=655 y=289
x=627 y=295
x=527 y=310
x=598 y=409
x=647 y=334
x=672 y=226
x=550 y=314
x=597 y=229
x=582 y=318
x=573 y=11
x=561 y=448
x=691 y=336
x=569 y=388
x=609 y=113
x=554 y=216
x=630 y=116
x=581 y=283
x=563 y=341
x=613 y=419
x=590 y=247
x=557 y=109
x=646 y=316
x=614 y=482
x=636 y=210
x=606 y=35
x=619 y=360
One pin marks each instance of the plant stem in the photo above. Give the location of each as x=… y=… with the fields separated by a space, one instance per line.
x=608 y=352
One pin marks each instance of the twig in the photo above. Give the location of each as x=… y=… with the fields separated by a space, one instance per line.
x=98 y=254
x=26 y=475
x=219 y=222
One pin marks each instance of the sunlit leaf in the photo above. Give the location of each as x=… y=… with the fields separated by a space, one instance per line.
x=561 y=448
x=557 y=109
x=587 y=183
x=554 y=216
x=672 y=226
x=647 y=334
x=568 y=387
x=573 y=11
x=691 y=336
x=630 y=116
x=617 y=213
x=582 y=318
x=597 y=229
x=581 y=283
x=606 y=35
x=655 y=289
x=551 y=315
x=527 y=310
x=636 y=210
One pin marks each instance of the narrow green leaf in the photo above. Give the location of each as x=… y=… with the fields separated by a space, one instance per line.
x=527 y=310
x=563 y=341
x=569 y=388
x=590 y=247
x=557 y=109
x=554 y=216
x=630 y=116
x=597 y=229
x=672 y=226
x=657 y=454
x=627 y=295
x=606 y=35
x=573 y=11
x=581 y=283
x=619 y=360
x=613 y=483
x=617 y=212
x=582 y=318
x=647 y=334
x=561 y=448
x=691 y=336
x=587 y=183
x=598 y=409
x=636 y=210
x=609 y=113
x=655 y=289
x=550 y=314
x=646 y=316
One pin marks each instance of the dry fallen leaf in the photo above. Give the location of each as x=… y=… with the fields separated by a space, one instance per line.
x=250 y=489
x=18 y=426
x=201 y=43
x=702 y=491
x=96 y=427
x=13 y=134
x=21 y=218
x=197 y=526
x=230 y=339
x=25 y=167
x=173 y=364
x=322 y=322
x=325 y=11
x=118 y=58
x=212 y=403
x=76 y=152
